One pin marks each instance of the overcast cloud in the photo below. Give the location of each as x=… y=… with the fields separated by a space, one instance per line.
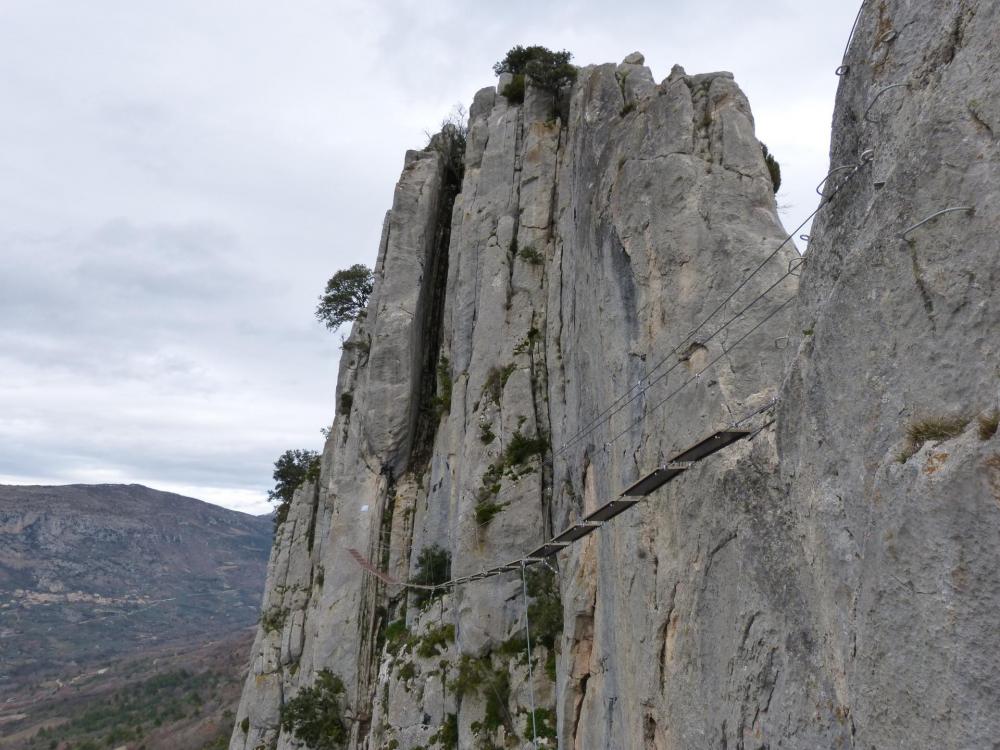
x=179 y=179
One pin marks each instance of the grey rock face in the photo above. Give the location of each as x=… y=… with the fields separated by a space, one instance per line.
x=900 y=552
x=806 y=588
x=671 y=210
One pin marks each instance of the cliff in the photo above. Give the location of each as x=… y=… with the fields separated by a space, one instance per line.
x=609 y=285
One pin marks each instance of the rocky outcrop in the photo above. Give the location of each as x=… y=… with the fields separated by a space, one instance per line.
x=899 y=551
x=819 y=585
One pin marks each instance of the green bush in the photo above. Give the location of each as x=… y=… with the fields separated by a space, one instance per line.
x=395 y=636
x=479 y=676
x=312 y=471
x=346 y=402
x=548 y=70
x=433 y=569
x=485 y=511
x=521 y=448
x=514 y=91
x=773 y=168
x=491 y=482
x=315 y=715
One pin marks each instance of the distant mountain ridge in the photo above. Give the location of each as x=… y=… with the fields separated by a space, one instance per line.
x=91 y=572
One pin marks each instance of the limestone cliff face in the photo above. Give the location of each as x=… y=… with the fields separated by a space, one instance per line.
x=899 y=558
x=805 y=588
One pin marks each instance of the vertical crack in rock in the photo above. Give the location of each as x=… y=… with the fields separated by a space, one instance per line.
x=666 y=635
x=432 y=326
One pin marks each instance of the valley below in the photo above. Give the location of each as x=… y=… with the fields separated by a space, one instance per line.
x=167 y=698
x=126 y=616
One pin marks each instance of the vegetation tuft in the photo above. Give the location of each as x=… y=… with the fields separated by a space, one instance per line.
x=436 y=641
x=273 y=619
x=346 y=296
x=315 y=715
x=345 y=403
x=486 y=509
x=395 y=636
x=126 y=716
x=433 y=569
x=292 y=468
x=931 y=428
x=514 y=91
x=527 y=344
x=496 y=379
x=548 y=70
x=988 y=424
x=478 y=676
x=447 y=734
x=545 y=613
x=514 y=647
x=530 y=255
x=442 y=401
x=451 y=142
x=773 y=168
x=520 y=448
x=545 y=724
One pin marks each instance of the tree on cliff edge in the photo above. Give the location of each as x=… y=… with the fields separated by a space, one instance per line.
x=346 y=296
x=547 y=70
x=292 y=468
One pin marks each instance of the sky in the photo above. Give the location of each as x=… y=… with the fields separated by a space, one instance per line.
x=179 y=179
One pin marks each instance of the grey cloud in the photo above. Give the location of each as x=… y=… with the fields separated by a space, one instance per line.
x=181 y=262
x=182 y=178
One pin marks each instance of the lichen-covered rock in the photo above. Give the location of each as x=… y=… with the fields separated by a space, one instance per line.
x=610 y=285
